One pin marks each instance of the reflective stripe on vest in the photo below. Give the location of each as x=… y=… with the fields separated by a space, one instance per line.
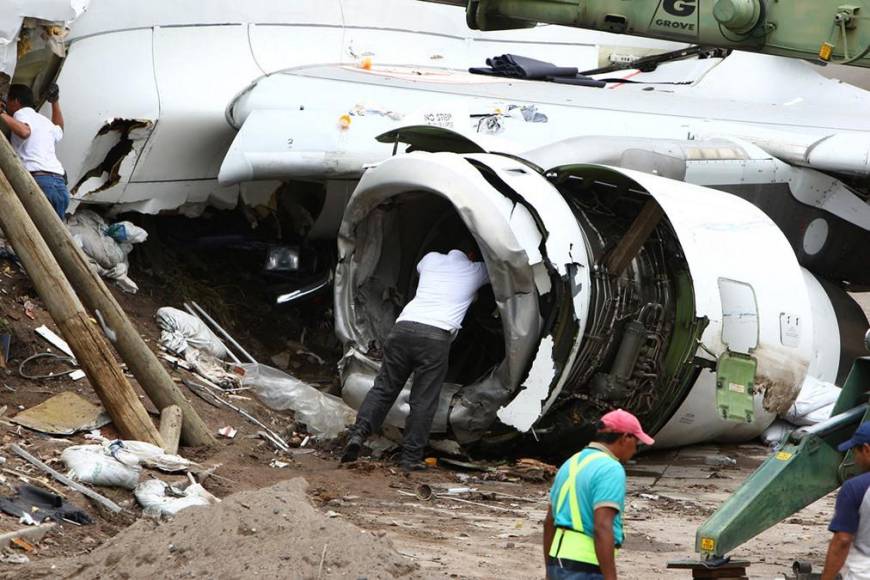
x=573 y=544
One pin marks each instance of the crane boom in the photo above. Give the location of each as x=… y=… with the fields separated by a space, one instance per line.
x=820 y=30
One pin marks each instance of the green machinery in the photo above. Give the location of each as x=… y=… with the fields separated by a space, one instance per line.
x=825 y=30
x=805 y=467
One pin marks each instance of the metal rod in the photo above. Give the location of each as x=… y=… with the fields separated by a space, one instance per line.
x=851 y=416
x=193 y=313
x=223 y=332
x=104 y=501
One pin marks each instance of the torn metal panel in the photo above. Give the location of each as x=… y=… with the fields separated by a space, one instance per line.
x=63 y=414
x=113 y=155
x=525 y=410
x=45 y=16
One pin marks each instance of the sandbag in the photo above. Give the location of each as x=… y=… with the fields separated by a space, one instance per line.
x=159 y=498
x=106 y=247
x=139 y=454
x=90 y=464
x=180 y=330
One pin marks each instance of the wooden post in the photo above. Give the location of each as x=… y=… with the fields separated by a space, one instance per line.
x=637 y=235
x=170 y=428
x=141 y=361
x=85 y=339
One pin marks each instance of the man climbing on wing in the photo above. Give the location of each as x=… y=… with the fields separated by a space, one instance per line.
x=583 y=527
x=419 y=343
x=34 y=138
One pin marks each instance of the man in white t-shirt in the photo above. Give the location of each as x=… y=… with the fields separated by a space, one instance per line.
x=34 y=137
x=419 y=343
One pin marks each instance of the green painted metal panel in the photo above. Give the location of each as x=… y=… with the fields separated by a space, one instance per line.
x=798 y=29
x=735 y=387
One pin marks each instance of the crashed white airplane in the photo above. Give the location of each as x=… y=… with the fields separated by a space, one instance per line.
x=643 y=281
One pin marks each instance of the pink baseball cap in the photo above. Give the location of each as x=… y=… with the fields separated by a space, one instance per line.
x=620 y=421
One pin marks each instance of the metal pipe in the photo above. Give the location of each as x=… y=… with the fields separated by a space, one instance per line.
x=193 y=313
x=223 y=332
x=837 y=421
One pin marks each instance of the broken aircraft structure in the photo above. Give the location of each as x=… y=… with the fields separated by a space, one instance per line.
x=610 y=287
x=707 y=326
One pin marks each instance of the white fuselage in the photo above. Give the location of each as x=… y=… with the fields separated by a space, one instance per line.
x=172 y=68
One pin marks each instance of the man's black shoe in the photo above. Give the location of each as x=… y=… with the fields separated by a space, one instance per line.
x=351 y=450
x=407 y=466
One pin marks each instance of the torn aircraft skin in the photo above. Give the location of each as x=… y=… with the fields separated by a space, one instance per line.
x=31 y=33
x=706 y=327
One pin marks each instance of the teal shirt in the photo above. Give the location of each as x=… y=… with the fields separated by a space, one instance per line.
x=600 y=484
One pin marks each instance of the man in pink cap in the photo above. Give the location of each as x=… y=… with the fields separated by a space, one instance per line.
x=583 y=527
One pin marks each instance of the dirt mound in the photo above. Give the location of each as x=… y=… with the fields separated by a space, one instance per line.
x=272 y=532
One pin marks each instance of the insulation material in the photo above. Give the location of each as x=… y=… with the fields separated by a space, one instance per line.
x=106 y=246
x=160 y=498
x=181 y=330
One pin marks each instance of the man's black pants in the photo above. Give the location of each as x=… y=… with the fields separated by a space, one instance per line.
x=411 y=347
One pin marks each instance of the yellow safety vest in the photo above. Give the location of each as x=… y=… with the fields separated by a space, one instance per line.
x=573 y=544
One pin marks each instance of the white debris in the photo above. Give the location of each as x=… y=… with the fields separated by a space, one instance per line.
x=524 y=410
x=159 y=498
x=227 y=432
x=181 y=330
x=106 y=246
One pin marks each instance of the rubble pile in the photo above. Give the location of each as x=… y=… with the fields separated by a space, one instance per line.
x=272 y=532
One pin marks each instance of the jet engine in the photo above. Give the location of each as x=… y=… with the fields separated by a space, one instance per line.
x=609 y=288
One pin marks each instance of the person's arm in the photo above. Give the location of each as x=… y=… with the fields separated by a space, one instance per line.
x=57 y=114
x=22 y=130
x=549 y=532
x=838 y=549
x=605 y=544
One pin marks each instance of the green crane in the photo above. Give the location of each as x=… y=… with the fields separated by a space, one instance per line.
x=821 y=30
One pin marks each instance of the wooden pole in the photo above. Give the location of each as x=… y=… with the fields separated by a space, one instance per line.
x=170 y=428
x=86 y=341
x=644 y=224
x=141 y=361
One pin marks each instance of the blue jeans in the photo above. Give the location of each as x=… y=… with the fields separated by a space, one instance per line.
x=555 y=572
x=55 y=190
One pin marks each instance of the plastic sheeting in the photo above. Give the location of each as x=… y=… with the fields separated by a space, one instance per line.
x=106 y=246
x=324 y=415
x=180 y=330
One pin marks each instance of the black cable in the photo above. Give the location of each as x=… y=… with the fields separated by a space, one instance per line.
x=65 y=359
